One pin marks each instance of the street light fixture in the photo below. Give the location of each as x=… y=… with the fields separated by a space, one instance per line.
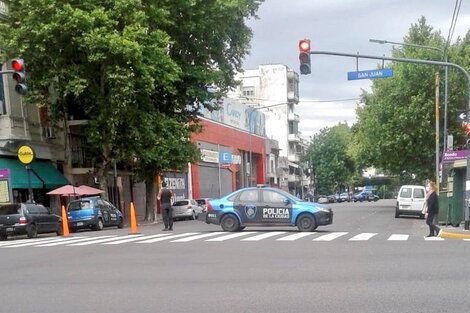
x=444 y=55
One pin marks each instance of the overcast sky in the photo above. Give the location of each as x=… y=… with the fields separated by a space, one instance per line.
x=339 y=26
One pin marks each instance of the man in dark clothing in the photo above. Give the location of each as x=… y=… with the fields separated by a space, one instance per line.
x=432 y=203
x=165 y=196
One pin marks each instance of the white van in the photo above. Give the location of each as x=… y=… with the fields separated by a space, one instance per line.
x=410 y=200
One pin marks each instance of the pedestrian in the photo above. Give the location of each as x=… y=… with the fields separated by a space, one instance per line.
x=165 y=197
x=431 y=209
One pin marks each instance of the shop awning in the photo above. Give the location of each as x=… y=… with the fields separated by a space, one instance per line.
x=43 y=174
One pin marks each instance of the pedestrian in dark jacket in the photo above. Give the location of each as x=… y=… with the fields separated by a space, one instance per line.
x=432 y=203
x=165 y=197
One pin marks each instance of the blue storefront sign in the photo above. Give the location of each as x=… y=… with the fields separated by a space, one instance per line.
x=371 y=74
x=225 y=157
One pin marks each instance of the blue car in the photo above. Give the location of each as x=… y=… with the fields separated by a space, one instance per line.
x=266 y=206
x=94 y=213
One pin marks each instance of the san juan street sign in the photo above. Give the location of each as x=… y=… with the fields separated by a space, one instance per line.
x=371 y=74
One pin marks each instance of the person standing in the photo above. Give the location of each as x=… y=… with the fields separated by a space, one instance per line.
x=165 y=197
x=432 y=204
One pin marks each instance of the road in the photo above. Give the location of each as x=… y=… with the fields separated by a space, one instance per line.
x=367 y=261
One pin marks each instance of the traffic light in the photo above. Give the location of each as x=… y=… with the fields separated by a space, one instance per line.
x=18 y=66
x=304 y=56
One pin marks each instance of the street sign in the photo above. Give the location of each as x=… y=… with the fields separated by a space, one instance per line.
x=371 y=74
x=462 y=116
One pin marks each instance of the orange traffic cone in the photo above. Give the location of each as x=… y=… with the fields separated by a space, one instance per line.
x=65 y=223
x=133 y=220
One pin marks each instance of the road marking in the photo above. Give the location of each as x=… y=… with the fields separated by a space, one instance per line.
x=167 y=238
x=264 y=236
x=196 y=237
x=93 y=241
x=231 y=236
x=330 y=237
x=15 y=242
x=118 y=242
x=77 y=239
x=363 y=236
x=295 y=236
x=397 y=237
x=35 y=242
x=433 y=238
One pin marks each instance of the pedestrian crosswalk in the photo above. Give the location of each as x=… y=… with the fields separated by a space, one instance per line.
x=218 y=236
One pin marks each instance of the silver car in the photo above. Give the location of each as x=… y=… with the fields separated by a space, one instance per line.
x=186 y=208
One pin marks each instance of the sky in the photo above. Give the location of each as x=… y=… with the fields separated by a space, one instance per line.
x=339 y=26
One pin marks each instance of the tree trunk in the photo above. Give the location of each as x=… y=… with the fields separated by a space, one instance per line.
x=150 y=198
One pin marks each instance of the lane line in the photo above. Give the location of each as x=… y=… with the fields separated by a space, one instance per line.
x=196 y=237
x=363 y=236
x=398 y=237
x=231 y=236
x=118 y=242
x=330 y=237
x=264 y=236
x=295 y=236
x=167 y=238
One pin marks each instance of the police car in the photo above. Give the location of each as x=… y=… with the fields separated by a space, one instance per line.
x=266 y=206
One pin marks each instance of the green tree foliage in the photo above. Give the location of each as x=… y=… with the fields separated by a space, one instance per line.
x=333 y=167
x=396 y=124
x=134 y=68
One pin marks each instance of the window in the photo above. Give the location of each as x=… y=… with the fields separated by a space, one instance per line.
x=405 y=193
x=10 y=209
x=79 y=205
x=418 y=193
x=273 y=197
x=42 y=210
x=182 y=202
x=249 y=195
x=248 y=91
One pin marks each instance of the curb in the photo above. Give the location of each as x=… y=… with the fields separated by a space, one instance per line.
x=450 y=235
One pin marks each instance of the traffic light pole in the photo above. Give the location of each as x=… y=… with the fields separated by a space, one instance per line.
x=425 y=62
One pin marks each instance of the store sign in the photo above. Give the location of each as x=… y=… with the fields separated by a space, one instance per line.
x=5 y=186
x=451 y=156
x=25 y=154
x=225 y=157
x=209 y=156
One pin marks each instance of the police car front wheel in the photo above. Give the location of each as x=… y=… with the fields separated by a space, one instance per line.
x=306 y=222
x=230 y=223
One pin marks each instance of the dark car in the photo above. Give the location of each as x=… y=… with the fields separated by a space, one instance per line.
x=94 y=213
x=365 y=196
x=263 y=206
x=29 y=219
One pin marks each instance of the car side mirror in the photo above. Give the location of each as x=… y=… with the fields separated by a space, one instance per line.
x=286 y=201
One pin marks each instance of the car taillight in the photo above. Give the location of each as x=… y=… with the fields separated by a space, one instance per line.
x=23 y=220
x=209 y=207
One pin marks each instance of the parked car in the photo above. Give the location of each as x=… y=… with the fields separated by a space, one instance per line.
x=410 y=200
x=186 y=208
x=331 y=198
x=323 y=199
x=266 y=206
x=94 y=213
x=203 y=203
x=28 y=218
x=343 y=197
x=365 y=196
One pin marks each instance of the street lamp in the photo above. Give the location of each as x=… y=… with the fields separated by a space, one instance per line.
x=444 y=55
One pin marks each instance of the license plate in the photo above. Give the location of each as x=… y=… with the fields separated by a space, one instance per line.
x=10 y=229
x=80 y=224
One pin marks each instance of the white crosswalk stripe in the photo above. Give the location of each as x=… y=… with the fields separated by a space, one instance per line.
x=330 y=237
x=93 y=241
x=167 y=238
x=295 y=236
x=196 y=237
x=231 y=236
x=35 y=242
x=76 y=239
x=264 y=236
x=433 y=238
x=363 y=236
x=118 y=242
x=398 y=237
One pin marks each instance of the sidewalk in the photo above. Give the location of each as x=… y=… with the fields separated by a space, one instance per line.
x=450 y=232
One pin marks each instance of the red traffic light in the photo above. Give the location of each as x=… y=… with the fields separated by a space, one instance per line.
x=17 y=65
x=304 y=45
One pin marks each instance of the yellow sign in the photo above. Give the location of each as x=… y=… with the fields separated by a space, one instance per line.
x=25 y=154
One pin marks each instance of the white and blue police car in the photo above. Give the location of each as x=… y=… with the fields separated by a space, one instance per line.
x=266 y=206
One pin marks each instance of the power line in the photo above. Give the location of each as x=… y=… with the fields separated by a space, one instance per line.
x=453 y=22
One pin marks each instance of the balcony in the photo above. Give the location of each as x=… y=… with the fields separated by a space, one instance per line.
x=293 y=137
x=293 y=157
x=292 y=117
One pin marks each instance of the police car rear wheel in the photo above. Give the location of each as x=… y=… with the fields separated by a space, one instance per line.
x=230 y=223
x=306 y=223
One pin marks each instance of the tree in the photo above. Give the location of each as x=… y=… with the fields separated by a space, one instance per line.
x=333 y=166
x=395 y=129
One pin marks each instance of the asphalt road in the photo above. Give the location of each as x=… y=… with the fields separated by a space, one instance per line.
x=308 y=274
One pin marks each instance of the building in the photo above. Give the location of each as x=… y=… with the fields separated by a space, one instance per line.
x=274 y=90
